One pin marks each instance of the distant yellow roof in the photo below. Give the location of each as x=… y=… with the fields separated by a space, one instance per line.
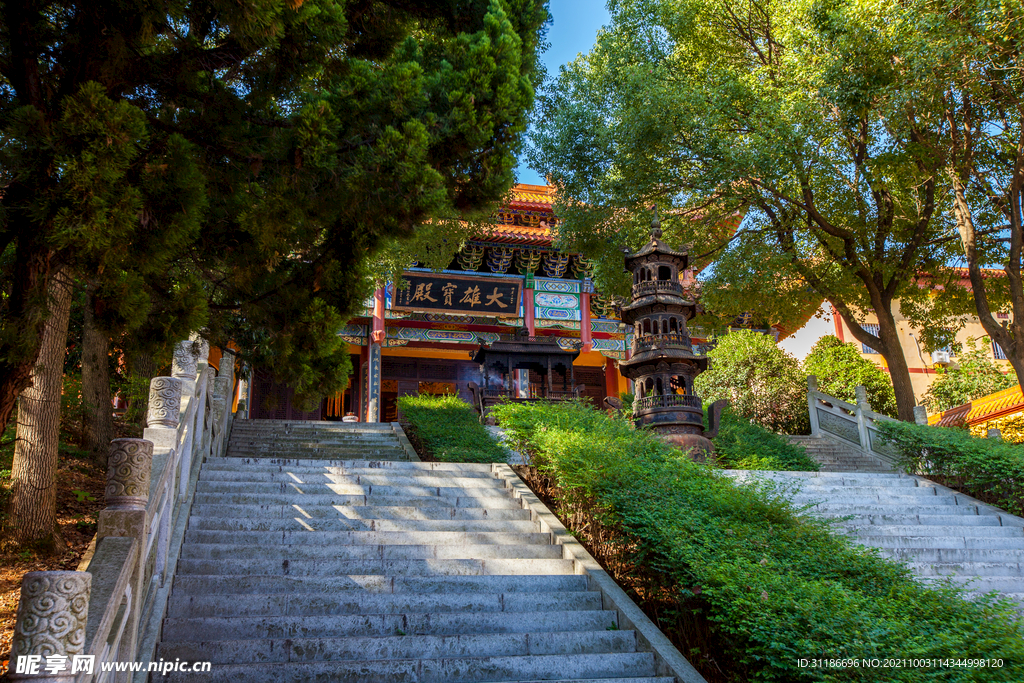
x=999 y=404
x=537 y=195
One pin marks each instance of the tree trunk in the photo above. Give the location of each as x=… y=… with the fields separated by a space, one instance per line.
x=33 y=511
x=887 y=343
x=1011 y=336
x=22 y=324
x=97 y=419
x=899 y=371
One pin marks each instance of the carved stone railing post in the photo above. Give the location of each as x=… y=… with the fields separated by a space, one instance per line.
x=49 y=633
x=920 y=415
x=226 y=367
x=164 y=402
x=186 y=361
x=129 y=466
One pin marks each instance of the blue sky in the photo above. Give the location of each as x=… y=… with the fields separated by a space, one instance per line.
x=575 y=26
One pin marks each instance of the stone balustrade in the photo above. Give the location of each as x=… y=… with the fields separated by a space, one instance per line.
x=112 y=611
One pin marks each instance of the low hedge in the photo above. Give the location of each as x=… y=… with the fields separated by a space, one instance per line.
x=743 y=585
x=988 y=469
x=743 y=445
x=449 y=430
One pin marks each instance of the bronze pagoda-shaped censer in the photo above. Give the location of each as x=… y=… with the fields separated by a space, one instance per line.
x=663 y=364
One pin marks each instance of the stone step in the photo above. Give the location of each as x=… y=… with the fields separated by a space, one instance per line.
x=348 y=463
x=419 y=585
x=983 y=584
x=391 y=647
x=987 y=569
x=843 y=479
x=264 y=515
x=356 y=603
x=434 y=623
x=386 y=567
x=911 y=519
x=322 y=454
x=220 y=551
x=947 y=510
x=457 y=532
x=300 y=450
x=225 y=469
x=312 y=440
x=607 y=667
x=898 y=492
x=492 y=489
x=804 y=498
x=973 y=532
x=951 y=542
x=501 y=502
x=328 y=478
x=942 y=555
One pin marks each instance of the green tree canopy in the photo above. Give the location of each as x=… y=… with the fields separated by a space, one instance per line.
x=787 y=113
x=234 y=164
x=975 y=375
x=840 y=368
x=761 y=381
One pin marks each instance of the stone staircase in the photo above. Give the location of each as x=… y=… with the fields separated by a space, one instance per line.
x=838 y=457
x=311 y=439
x=371 y=569
x=938 y=533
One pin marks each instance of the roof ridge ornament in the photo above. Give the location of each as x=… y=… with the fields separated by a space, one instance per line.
x=655 y=224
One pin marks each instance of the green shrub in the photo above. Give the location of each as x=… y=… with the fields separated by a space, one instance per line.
x=988 y=469
x=769 y=586
x=760 y=380
x=840 y=368
x=449 y=429
x=743 y=445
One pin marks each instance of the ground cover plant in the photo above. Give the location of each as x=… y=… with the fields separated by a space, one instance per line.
x=743 y=445
x=448 y=429
x=744 y=585
x=988 y=469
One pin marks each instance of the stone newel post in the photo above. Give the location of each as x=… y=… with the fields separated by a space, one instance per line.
x=164 y=402
x=52 y=616
x=128 y=468
x=186 y=361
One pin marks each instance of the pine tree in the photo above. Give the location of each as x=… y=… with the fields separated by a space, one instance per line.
x=232 y=165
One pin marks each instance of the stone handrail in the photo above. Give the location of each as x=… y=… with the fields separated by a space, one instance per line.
x=112 y=611
x=854 y=424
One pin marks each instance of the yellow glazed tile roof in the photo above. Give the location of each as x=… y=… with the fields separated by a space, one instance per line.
x=999 y=404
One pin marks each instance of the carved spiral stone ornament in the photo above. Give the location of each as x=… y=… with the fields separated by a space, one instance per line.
x=128 y=468
x=52 y=615
x=164 y=402
x=186 y=361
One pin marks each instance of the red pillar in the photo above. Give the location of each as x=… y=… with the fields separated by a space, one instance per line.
x=611 y=378
x=377 y=333
x=585 y=333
